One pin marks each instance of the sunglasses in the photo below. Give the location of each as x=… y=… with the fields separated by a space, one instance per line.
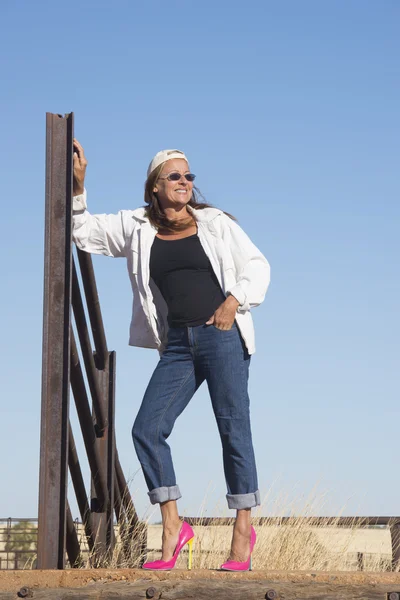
x=175 y=176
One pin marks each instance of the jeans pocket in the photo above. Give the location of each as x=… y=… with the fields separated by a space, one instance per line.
x=234 y=326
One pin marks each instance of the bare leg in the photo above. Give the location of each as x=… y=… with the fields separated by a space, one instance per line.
x=240 y=548
x=171 y=527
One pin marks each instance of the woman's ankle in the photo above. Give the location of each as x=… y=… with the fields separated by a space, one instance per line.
x=170 y=515
x=243 y=521
x=172 y=526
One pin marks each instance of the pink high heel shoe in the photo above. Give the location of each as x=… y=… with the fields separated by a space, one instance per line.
x=186 y=536
x=233 y=565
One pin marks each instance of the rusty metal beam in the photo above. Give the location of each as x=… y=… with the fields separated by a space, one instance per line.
x=72 y=542
x=111 y=448
x=93 y=304
x=87 y=427
x=118 y=509
x=62 y=368
x=56 y=353
x=79 y=488
x=87 y=353
x=103 y=520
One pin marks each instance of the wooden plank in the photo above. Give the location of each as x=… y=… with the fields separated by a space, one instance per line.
x=200 y=589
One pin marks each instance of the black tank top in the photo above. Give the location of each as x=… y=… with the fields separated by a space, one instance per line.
x=184 y=275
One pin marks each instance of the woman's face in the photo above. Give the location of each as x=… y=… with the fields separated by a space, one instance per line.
x=173 y=193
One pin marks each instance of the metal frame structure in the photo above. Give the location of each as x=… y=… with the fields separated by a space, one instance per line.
x=62 y=370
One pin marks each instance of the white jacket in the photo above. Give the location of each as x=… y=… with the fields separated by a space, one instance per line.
x=240 y=267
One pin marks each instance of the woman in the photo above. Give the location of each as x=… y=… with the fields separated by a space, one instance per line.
x=195 y=275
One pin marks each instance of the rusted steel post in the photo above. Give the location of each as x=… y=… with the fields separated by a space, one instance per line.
x=111 y=447
x=103 y=520
x=93 y=304
x=87 y=427
x=118 y=509
x=56 y=340
x=8 y=537
x=360 y=561
x=86 y=347
x=72 y=542
x=79 y=487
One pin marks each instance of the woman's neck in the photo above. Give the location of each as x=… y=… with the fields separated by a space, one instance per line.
x=175 y=214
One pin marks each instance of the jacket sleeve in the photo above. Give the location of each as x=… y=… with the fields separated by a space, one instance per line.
x=251 y=266
x=98 y=234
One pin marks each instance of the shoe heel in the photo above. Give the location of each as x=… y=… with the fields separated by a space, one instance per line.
x=190 y=544
x=251 y=564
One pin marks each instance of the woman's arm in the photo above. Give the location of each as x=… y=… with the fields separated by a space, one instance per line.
x=100 y=234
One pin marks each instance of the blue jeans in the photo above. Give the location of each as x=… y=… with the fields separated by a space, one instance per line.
x=192 y=355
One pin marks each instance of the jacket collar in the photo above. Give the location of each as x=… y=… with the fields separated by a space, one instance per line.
x=203 y=215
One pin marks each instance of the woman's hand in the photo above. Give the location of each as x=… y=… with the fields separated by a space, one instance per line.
x=80 y=164
x=224 y=316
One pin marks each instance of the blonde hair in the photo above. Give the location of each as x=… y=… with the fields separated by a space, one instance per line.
x=155 y=213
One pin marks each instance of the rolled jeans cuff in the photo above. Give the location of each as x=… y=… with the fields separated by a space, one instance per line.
x=163 y=494
x=239 y=501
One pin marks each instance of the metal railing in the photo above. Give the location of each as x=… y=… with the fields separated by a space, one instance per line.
x=18 y=543
x=62 y=370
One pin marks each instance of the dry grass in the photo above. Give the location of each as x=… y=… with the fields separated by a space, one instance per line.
x=293 y=546
x=130 y=546
x=298 y=544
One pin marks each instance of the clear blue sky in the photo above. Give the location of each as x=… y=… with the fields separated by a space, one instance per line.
x=289 y=113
